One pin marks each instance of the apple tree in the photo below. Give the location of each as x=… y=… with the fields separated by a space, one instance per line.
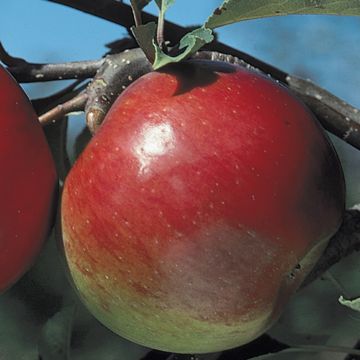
x=201 y=208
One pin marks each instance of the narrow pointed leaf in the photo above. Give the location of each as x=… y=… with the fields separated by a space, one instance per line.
x=232 y=11
x=164 y=4
x=139 y=4
x=189 y=44
x=144 y=35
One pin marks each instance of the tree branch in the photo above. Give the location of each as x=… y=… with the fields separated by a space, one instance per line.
x=342 y=244
x=9 y=60
x=41 y=105
x=25 y=72
x=116 y=73
x=77 y=103
x=338 y=117
x=48 y=72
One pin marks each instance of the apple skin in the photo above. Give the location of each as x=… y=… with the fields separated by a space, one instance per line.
x=198 y=208
x=27 y=183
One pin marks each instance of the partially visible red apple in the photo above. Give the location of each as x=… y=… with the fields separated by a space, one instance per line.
x=27 y=182
x=195 y=212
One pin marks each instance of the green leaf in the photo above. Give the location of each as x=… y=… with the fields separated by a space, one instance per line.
x=144 y=35
x=236 y=10
x=353 y=304
x=163 y=5
x=139 y=4
x=189 y=44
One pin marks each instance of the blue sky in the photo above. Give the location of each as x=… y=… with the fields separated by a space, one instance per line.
x=323 y=48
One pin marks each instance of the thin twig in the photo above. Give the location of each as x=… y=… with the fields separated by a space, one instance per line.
x=25 y=72
x=160 y=28
x=41 y=105
x=75 y=104
x=49 y=72
x=9 y=60
x=342 y=244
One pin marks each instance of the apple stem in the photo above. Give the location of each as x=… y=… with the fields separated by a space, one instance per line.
x=160 y=30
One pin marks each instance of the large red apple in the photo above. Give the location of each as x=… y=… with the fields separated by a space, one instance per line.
x=27 y=182
x=198 y=208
